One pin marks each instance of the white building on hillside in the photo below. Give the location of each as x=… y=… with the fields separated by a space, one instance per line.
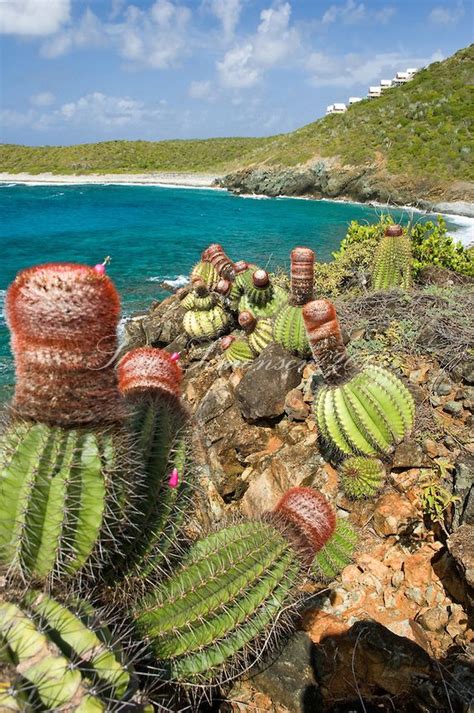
x=385 y=84
x=337 y=108
x=374 y=92
x=354 y=100
x=411 y=71
x=400 y=78
x=330 y=109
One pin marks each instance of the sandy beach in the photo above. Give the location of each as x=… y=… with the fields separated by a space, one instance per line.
x=189 y=180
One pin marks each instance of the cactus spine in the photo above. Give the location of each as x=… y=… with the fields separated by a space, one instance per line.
x=205 y=272
x=261 y=298
x=206 y=319
x=238 y=351
x=230 y=590
x=336 y=554
x=215 y=255
x=62 y=656
x=362 y=477
x=392 y=261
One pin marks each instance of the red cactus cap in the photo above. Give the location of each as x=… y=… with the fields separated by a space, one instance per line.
x=302 y=275
x=240 y=266
x=247 y=321
x=62 y=302
x=321 y=322
x=223 y=287
x=260 y=278
x=149 y=370
x=207 y=254
x=227 y=341
x=309 y=518
x=394 y=231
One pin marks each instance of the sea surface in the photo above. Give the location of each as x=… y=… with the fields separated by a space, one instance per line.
x=155 y=234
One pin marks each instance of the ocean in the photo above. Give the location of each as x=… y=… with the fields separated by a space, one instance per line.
x=155 y=234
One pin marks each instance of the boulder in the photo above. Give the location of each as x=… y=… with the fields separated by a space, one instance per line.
x=262 y=391
x=408 y=454
x=464 y=489
x=461 y=548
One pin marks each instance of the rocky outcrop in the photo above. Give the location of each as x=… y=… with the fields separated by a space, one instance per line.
x=327 y=178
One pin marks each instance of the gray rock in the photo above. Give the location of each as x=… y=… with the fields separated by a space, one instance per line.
x=463 y=487
x=262 y=391
x=453 y=407
x=289 y=680
x=408 y=454
x=467 y=371
x=461 y=547
x=443 y=388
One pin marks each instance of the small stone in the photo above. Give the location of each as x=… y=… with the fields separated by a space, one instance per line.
x=467 y=371
x=417 y=568
x=408 y=454
x=415 y=594
x=434 y=449
x=321 y=624
x=295 y=406
x=434 y=619
x=393 y=514
x=397 y=579
x=405 y=479
x=443 y=388
x=461 y=547
x=453 y=407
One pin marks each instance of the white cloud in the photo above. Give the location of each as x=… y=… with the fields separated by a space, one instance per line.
x=352 y=69
x=87 y=33
x=447 y=15
x=12 y=119
x=33 y=17
x=275 y=40
x=349 y=14
x=200 y=90
x=42 y=99
x=106 y=111
x=384 y=15
x=228 y=14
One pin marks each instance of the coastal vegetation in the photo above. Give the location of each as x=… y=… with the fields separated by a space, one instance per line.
x=418 y=130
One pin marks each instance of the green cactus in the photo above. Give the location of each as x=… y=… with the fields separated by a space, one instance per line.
x=231 y=589
x=206 y=272
x=64 y=496
x=290 y=332
x=238 y=287
x=369 y=414
x=392 y=261
x=206 y=324
x=337 y=552
x=197 y=302
x=273 y=306
x=362 y=477
x=239 y=352
x=65 y=660
x=261 y=336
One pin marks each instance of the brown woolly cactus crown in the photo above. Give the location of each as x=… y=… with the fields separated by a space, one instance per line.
x=302 y=275
x=260 y=278
x=394 y=231
x=247 y=321
x=216 y=256
x=325 y=338
x=63 y=320
x=151 y=371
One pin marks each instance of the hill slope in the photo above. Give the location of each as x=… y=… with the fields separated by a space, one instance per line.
x=418 y=134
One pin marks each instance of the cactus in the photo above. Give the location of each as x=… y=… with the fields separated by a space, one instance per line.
x=150 y=379
x=325 y=339
x=207 y=273
x=206 y=319
x=237 y=351
x=362 y=477
x=336 y=554
x=65 y=659
x=231 y=590
x=289 y=329
x=215 y=255
x=260 y=297
x=65 y=485
x=259 y=331
x=392 y=261
x=369 y=414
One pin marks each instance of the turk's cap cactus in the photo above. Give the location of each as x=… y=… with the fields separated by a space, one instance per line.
x=394 y=231
x=150 y=371
x=260 y=278
x=216 y=256
x=302 y=275
x=247 y=321
x=325 y=338
x=223 y=286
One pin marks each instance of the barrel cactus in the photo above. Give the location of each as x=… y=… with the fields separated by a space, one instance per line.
x=289 y=329
x=361 y=477
x=237 y=351
x=261 y=297
x=215 y=255
x=364 y=411
x=392 y=261
x=259 y=331
x=206 y=319
x=62 y=658
x=224 y=605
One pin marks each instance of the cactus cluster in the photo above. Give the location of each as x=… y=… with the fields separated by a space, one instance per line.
x=289 y=328
x=94 y=496
x=205 y=317
x=392 y=261
x=260 y=296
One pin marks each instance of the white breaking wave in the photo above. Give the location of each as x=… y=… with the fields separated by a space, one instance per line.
x=2 y=306
x=172 y=282
x=465 y=232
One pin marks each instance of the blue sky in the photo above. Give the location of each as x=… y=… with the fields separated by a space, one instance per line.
x=76 y=71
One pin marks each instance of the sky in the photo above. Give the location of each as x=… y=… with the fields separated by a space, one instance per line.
x=77 y=71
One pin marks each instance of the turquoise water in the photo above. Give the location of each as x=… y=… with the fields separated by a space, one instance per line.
x=154 y=233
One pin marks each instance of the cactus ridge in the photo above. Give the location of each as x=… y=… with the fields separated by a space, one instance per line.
x=194 y=301
x=362 y=477
x=371 y=413
x=227 y=591
x=278 y=300
x=206 y=272
x=63 y=497
x=289 y=331
x=66 y=661
x=239 y=351
x=205 y=324
x=259 y=296
x=261 y=336
x=392 y=263
x=336 y=553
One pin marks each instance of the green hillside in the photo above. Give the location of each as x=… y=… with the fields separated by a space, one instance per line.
x=420 y=128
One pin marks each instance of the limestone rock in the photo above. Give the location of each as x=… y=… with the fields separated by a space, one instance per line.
x=262 y=391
